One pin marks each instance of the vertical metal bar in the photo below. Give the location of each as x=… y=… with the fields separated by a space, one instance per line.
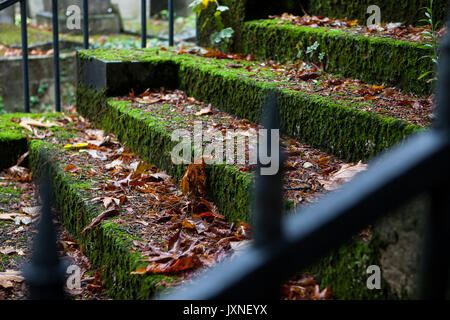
x=26 y=85
x=85 y=24
x=436 y=260
x=196 y=29
x=267 y=219
x=56 y=72
x=143 y=23
x=45 y=274
x=171 y=21
x=443 y=95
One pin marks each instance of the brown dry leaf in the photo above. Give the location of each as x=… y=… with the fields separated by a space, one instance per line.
x=143 y=168
x=205 y=111
x=71 y=168
x=19 y=173
x=174 y=266
x=10 y=216
x=194 y=180
x=160 y=176
x=140 y=270
x=113 y=165
x=8 y=250
x=99 y=218
x=188 y=225
x=22 y=158
x=345 y=174
x=107 y=201
x=8 y=278
x=29 y=123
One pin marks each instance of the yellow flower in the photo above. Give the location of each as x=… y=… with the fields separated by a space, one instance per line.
x=206 y=2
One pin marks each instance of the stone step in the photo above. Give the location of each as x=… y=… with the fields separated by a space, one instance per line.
x=337 y=127
x=108 y=246
x=372 y=59
x=396 y=63
x=111 y=248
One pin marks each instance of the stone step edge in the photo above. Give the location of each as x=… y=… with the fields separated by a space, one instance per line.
x=350 y=134
x=107 y=247
x=396 y=63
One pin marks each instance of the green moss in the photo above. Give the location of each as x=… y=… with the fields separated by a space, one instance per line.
x=345 y=271
x=372 y=59
x=10 y=34
x=147 y=136
x=240 y=11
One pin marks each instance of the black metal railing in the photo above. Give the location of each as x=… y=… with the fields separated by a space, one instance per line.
x=55 y=23
x=287 y=244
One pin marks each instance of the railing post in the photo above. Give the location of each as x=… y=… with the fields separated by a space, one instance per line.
x=443 y=85
x=56 y=72
x=171 y=22
x=436 y=260
x=23 y=25
x=196 y=29
x=267 y=219
x=45 y=275
x=143 y=23
x=85 y=24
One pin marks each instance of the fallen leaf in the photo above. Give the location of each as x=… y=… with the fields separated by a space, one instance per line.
x=8 y=250
x=142 y=168
x=19 y=173
x=100 y=217
x=8 y=278
x=71 y=168
x=194 y=180
x=205 y=111
x=29 y=123
x=174 y=266
x=107 y=201
x=308 y=76
x=345 y=174
x=32 y=211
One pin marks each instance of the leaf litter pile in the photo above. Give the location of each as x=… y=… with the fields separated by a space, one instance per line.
x=19 y=215
x=393 y=30
x=311 y=78
x=179 y=232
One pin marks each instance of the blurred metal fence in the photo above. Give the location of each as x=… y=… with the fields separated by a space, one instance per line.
x=286 y=244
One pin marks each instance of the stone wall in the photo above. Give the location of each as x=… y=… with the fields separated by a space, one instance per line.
x=41 y=76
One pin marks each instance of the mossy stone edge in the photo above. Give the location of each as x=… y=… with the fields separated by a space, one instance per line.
x=108 y=248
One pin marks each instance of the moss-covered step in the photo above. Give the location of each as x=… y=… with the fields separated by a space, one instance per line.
x=13 y=138
x=332 y=126
x=109 y=247
x=148 y=135
x=390 y=244
x=407 y=11
x=396 y=63
x=240 y=11
x=394 y=245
